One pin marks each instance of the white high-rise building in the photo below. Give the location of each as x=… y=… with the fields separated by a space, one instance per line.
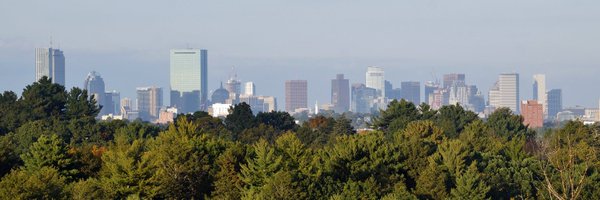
x=249 y=89
x=375 y=79
x=51 y=63
x=539 y=91
x=188 y=76
x=505 y=93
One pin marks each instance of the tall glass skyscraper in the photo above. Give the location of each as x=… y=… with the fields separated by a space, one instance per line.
x=149 y=101
x=411 y=91
x=51 y=63
x=340 y=94
x=554 y=102
x=189 y=74
x=539 y=91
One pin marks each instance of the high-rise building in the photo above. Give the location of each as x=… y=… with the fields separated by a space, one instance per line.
x=296 y=95
x=112 y=101
x=411 y=91
x=362 y=98
x=188 y=77
x=539 y=91
x=94 y=84
x=340 y=94
x=149 y=101
x=375 y=79
x=249 y=89
x=450 y=79
x=270 y=103
x=234 y=87
x=430 y=88
x=533 y=114
x=459 y=94
x=51 y=63
x=554 y=103
x=506 y=92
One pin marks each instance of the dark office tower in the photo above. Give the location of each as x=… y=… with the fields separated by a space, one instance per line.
x=450 y=79
x=149 y=101
x=362 y=98
x=340 y=94
x=554 y=103
x=51 y=63
x=189 y=74
x=388 y=89
x=411 y=91
x=296 y=95
x=430 y=88
x=94 y=84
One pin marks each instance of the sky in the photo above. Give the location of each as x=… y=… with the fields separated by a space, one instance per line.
x=268 y=42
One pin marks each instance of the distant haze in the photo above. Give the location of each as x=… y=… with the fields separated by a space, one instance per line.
x=269 y=42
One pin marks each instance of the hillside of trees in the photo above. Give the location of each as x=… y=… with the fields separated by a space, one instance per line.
x=52 y=147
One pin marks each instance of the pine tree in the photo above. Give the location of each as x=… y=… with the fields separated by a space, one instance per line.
x=49 y=152
x=260 y=168
x=469 y=185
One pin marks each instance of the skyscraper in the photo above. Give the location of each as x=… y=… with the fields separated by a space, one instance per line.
x=430 y=88
x=340 y=94
x=539 y=90
x=220 y=95
x=506 y=92
x=51 y=63
x=94 y=84
x=112 y=101
x=362 y=98
x=188 y=77
x=554 y=103
x=149 y=101
x=450 y=79
x=375 y=79
x=411 y=91
x=250 y=89
x=296 y=95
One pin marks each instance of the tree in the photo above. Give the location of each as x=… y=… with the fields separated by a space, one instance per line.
x=49 y=152
x=453 y=119
x=505 y=124
x=260 y=168
x=227 y=183
x=8 y=157
x=80 y=106
x=281 y=121
x=44 y=183
x=343 y=126
x=240 y=118
x=43 y=99
x=434 y=182
x=10 y=112
x=396 y=116
x=469 y=185
x=567 y=160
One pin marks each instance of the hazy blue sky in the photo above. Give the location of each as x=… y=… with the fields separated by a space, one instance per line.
x=268 y=42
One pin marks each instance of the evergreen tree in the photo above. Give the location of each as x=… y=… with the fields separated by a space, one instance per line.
x=469 y=185
x=240 y=118
x=43 y=183
x=49 y=152
x=343 y=126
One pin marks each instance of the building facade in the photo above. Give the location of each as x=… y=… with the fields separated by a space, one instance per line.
x=51 y=63
x=533 y=113
x=340 y=94
x=505 y=93
x=554 y=103
x=539 y=91
x=94 y=84
x=375 y=78
x=411 y=91
x=363 y=98
x=188 y=79
x=296 y=95
x=149 y=102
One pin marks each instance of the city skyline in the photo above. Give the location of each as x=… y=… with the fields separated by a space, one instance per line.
x=481 y=47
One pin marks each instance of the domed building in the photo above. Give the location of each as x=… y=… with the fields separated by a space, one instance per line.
x=220 y=95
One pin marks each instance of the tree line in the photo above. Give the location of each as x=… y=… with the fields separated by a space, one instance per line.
x=52 y=147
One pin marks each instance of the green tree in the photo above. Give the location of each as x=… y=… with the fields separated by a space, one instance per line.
x=43 y=99
x=396 y=116
x=49 y=152
x=434 y=182
x=81 y=106
x=469 y=185
x=8 y=157
x=505 y=124
x=44 y=183
x=227 y=183
x=240 y=118
x=281 y=121
x=10 y=112
x=260 y=168
x=453 y=119
x=343 y=126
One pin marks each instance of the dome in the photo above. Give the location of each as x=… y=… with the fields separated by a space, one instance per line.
x=220 y=95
